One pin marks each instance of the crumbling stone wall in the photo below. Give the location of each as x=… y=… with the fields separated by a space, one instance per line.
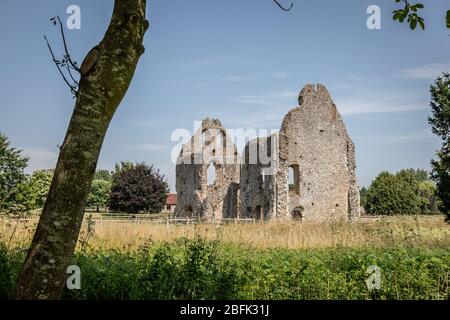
x=322 y=156
x=313 y=144
x=257 y=196
x=210 y=146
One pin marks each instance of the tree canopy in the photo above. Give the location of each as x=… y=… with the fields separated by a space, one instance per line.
x=402 y=193
x=138 y=188
x=99 y=196
x=12 y=165
x=440 y=126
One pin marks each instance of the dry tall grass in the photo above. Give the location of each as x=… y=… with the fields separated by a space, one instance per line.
x=424 y=231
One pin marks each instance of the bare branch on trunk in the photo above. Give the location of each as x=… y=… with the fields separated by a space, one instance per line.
x=283 y=8
x=112 y=64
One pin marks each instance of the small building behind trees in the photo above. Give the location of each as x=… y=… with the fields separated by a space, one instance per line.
x=171 y=202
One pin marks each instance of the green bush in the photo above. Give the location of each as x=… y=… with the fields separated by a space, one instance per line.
x=208 y=270
x=400 y=193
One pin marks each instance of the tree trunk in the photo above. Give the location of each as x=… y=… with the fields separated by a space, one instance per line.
x=106 y=74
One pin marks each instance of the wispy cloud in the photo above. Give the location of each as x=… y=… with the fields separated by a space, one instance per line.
x=269 y=99
x=151 y=147
x=358 y=105
x=414 y=136
x=252 y=77
x=40 y=158
x=145 y=123
x=428 y=71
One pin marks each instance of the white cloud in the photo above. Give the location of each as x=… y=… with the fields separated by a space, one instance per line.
x=151 y=147
x=424 y=134
x=269 y=99
x=252 y=77
x=40 y=158
x=428 y=71
x=145 y=123
x=358 y=105
x=420 y=135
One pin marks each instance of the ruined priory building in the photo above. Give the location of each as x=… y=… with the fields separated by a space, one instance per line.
x=209 y=148
x=304 y=172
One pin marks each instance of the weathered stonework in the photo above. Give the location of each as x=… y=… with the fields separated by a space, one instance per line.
x=313 y=144
x=209 y=146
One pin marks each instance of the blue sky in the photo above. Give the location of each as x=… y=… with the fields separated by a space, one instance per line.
x=242 y=61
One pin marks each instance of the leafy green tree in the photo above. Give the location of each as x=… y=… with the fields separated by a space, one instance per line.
x=440 y=126
x=394 y=194
x=22 y=201
x=428 y=192
x=39 y=186
x=419 y=174
x=123 y=165
x=99 y=196
x=103 y=175
x=12 y=165
x=362 y=194
x=138 y=188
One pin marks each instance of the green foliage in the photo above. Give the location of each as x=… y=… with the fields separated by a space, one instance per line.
x=428 y=192
x=31 y=193
x=103 y=175
x=440 y=108
x=440 y=125
x=419 y=174
x=12 y=165
x=447 y=19
x=198 y=269
x=394 y=194
x=6 y=279
x=99 y=196
x=410 y=13
x=123 y=165
x=22 y=200
x=39 y=186
x=138 y=188
x=362 y=194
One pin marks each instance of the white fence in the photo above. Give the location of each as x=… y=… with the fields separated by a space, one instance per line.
x=143 y=219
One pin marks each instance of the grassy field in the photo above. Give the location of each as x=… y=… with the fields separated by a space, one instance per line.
x=250 y=261
x=422 y=231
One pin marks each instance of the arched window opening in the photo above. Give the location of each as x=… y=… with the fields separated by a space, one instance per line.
x=211 y=174
x=257 y=213
x=291 y=177
x=203 y=138
x=297 y=213
x=294 y=179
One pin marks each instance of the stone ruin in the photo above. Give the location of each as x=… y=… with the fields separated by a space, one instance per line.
x=306 y=171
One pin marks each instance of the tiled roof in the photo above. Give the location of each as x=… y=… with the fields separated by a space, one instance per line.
x=171 y=199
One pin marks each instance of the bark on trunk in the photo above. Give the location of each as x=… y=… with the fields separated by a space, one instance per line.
x=106 y=74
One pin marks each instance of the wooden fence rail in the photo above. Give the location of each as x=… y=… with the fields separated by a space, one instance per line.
x=128 y=219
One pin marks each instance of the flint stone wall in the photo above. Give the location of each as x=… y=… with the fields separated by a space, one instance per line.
x=313 y=143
